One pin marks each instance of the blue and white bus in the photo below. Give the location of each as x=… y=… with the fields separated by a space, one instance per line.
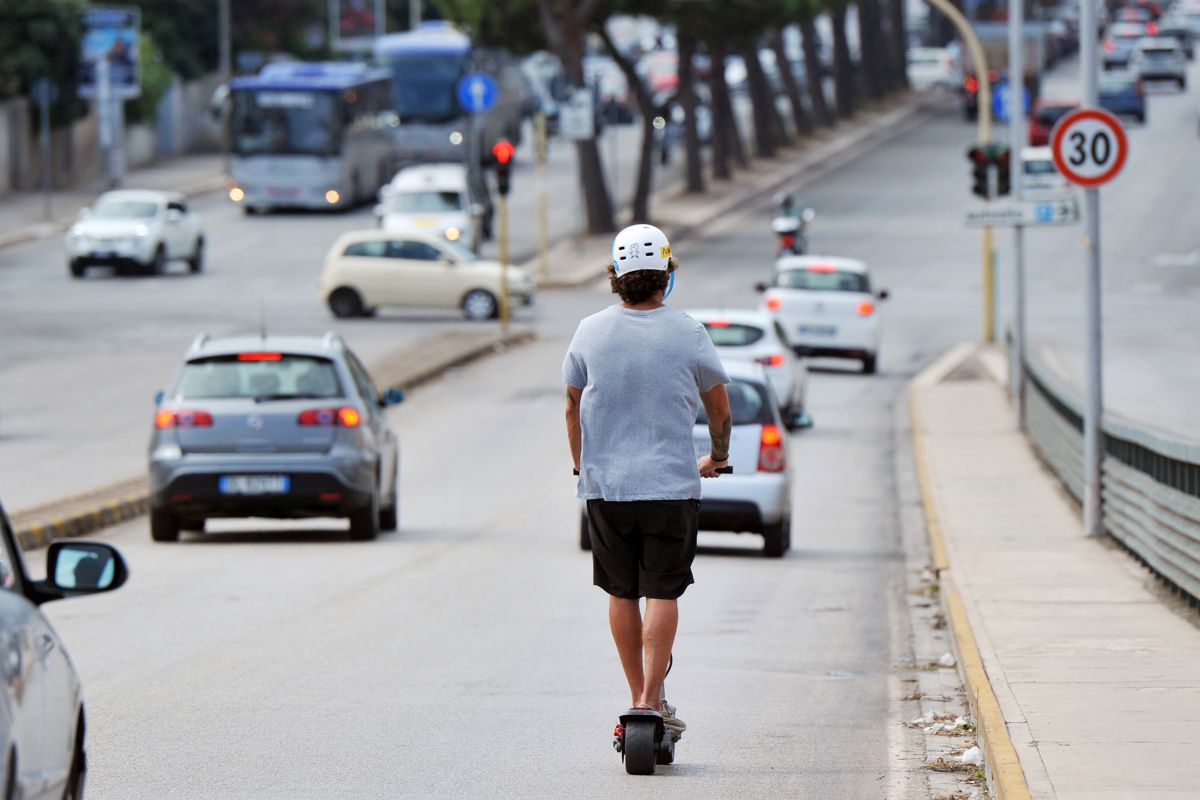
x=305 y=135
x=425 y=66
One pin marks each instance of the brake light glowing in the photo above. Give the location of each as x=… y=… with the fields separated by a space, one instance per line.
x=772 y=457
x=345 y=417
x=774 y=303
x=1110 y=46
x=971 y=84
x=260 y=356
x=773 y=360
x=1152 y=28
x=718 y=323
x=182 y=418
x=821 y=268
x=866 y=308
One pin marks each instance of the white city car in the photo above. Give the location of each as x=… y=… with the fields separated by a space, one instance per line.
x=432 y=199
x=826 y=307
x=135 y=231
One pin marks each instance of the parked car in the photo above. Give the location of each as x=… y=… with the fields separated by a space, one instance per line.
x=1039 y=173
x=42 y=718
x=827 y=307
x=755 y=498
x=365 y=270
x=1180 y=31
x=1122 y=93
x=1119 y=43
x=273 y=426
x=1045 y=114
x=755 y=336
x=931 y=68
x=435 y=199
x=1159 y=59
x=135 y=231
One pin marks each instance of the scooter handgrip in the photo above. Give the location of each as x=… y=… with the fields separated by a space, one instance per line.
x=724 y=470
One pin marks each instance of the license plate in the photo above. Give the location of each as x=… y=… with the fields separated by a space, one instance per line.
x=425 y=222
x=104 y=254
x=254 y=484
x=817 y=330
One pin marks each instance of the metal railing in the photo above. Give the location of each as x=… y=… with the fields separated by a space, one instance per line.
x=1150 y=487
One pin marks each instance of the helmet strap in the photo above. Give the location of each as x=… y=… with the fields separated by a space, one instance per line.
x=670 y=287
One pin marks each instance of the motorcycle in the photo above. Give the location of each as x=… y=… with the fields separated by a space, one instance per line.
x=792 y=229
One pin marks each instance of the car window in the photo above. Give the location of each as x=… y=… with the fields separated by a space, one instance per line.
x=1049 y=115
x=362 y=380
x=426 y=202
x=1040 y=166
x=371 y=249
x=258 y=375
x=823 y=280
x=748 y=404
x=726 y=334
x=177 y=206
x=125 y=209
x=412 y=251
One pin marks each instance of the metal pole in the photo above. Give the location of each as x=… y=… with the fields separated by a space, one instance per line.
x=44 y=141
x=333 y=26
x=1093 y=442
x=543 y=201
x=414 y=14
x=224 y=40
x=989 y=286
x=1016 y=133
x=503 y=209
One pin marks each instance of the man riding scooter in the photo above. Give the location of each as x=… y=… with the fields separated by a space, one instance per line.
x=790 y=224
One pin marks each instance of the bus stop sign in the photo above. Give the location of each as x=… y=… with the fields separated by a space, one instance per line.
x=476 y=92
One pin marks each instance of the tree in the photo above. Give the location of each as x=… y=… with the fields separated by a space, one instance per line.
x=694 y=168
x=41 y=40
x=645 y=103
x=843 y=69
x=872 y=49
x=800 y=117
x=807 y=11
x=898 y=35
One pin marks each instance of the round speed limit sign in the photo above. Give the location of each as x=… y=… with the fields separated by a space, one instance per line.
x=1089 y=146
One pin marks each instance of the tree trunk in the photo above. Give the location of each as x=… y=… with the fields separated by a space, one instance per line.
x=726 y=133
x=812 y=73
x=843 y=69
x=645 y=103
x=898 y=33
x=871 y=55
x=694 y=168
x=762 y=100
x=800 y=118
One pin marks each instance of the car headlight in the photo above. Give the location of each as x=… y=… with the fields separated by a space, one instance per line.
x=452 y=233
x=141 y=232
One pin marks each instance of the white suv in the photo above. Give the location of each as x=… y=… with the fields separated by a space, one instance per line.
x=1156 y=59
x=135 y=231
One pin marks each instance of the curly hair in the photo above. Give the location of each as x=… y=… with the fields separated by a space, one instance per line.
x=640 y=286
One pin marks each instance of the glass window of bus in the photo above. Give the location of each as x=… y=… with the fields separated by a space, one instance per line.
x=424 y=83
x=286 y=122
x=426 y=202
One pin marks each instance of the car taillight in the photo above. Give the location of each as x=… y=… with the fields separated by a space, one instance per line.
x=771 y=454
x=971 y=84
x=1110 y=46
x=1151 y=29
x=183 y=418
x=866 y=308
x=345 y=417
x=773 y=360
x=774 y=303
x=260 y=356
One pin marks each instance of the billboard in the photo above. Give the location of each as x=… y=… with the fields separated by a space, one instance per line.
x=356 y=23
x=111 y=33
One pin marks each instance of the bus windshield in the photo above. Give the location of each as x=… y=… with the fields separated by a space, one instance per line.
x=423 y=85
x=286 y=122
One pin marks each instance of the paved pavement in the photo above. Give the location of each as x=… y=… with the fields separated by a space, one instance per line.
x=1096 y=677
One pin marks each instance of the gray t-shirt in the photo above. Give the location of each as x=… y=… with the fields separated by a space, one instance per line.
x=642 y=373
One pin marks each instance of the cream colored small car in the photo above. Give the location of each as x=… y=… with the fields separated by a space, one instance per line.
x=368 y=269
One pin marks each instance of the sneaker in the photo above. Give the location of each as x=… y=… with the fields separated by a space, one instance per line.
x=671 y=722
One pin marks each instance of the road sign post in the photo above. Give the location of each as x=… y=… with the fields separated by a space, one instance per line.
x=476 y=93
x=1016 y=139
x=1090 y=148
x=44 y=95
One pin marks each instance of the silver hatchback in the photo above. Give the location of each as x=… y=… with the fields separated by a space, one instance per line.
x=283 y=427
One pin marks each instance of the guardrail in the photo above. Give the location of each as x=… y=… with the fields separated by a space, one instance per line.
x=1150 y=483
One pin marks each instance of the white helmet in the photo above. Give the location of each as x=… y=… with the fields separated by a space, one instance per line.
x=640 y=247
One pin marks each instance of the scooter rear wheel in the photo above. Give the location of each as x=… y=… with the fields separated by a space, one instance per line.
x=641 y=751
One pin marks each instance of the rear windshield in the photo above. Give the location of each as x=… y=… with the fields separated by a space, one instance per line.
x=1117 y=83
x=262 y=376
x=823 y=280
x=1127 y=31
x=733 y=335
x=1040 y=166
x=748 y=402
x=426 y=202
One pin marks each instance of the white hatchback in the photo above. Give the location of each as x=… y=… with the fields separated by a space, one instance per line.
x=135 y=231
x=432 y=199
x=826 y=307
x=755 y=336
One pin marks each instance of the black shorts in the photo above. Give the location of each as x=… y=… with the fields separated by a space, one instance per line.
x=643 y=548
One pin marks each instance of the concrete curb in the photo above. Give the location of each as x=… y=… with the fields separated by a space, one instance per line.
x=124 y=500
x=810 y=161
x=1004 y=768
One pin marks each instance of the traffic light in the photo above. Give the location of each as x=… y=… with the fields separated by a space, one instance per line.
x=503 y=151
x=1001 y=158
x=978 y=157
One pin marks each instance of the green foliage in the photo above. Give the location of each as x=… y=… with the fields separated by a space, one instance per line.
x=156 y=80
x=185 y=31
x=512 y=24
x=40 y=39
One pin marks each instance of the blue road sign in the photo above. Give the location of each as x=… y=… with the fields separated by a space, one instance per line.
x=476 y=92
x=1002 y=100
x=1044 y=212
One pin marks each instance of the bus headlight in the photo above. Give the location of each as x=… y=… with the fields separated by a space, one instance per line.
x=456 y=137
x=332 y=197
x=453 y=234
x=236 y=194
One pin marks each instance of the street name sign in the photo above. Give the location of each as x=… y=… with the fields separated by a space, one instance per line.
x=1032 y=213
x=577 y=116
x=476 y=92
x=1089 y=147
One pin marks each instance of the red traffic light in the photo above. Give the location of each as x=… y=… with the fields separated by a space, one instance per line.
x=503 y=151
x=978 y=155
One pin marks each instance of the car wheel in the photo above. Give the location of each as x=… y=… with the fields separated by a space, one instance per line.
x=868 y=364
x=77 y=268
x=364 y=524
x=777 y=538
x=196 y=262
x=1141 y=118
x=164 y=526
x=1182 y=84
x=10 y=776
x=346 y=303
x=389 y=517
x=480 y=304
x=159 y=265
x=585 y=533
x=77 y=776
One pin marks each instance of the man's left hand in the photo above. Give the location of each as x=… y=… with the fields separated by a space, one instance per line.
x=709 y=466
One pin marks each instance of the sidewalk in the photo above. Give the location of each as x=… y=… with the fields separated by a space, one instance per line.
x=22 y=215
x=1085 y=676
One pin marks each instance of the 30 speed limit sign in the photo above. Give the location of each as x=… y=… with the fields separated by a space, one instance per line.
x=1089 y=146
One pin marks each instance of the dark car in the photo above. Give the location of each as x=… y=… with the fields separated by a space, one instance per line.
x=282 y=427
x=1122 y=94
x=42 y=722
x=1046 y=113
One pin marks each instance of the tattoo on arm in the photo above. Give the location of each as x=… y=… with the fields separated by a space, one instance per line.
x=720 y=440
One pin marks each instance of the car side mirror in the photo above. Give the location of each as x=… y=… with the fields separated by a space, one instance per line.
x=77 y=568
x=883 y=294
x=391 y=397
x=760 y=287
